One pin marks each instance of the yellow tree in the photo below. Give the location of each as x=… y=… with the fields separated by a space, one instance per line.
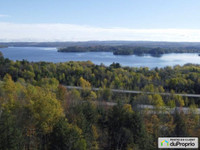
x=84 y=83
x=86 y=92
x=45 y=108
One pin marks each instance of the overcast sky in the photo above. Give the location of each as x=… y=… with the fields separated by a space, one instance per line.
x=84 y=20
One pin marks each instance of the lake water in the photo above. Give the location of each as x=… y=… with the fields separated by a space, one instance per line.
x=36 y=54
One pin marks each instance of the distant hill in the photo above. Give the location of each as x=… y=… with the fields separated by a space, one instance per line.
x=106 y=43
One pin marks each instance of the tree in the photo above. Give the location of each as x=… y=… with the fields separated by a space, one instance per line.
x=84 y=115
x=49 y=83
x=181 y=127
x=125 y=129
x=28 y=75
x=84 y=83
x=9 y=86
x=61 y=93
x=156 y=100
x=45 y=108
x=92 y=96
x=66 y=136
x=10 y=134
x=86 y=88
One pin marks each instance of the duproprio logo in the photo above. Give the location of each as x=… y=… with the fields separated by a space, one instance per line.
x=178 y=142
x=164 y=141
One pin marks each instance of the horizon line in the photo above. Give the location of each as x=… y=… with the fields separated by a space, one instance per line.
x=99 y=41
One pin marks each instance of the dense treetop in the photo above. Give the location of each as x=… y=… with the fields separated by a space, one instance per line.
x=181 y=79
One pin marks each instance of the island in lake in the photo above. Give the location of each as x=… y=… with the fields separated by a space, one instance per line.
x=131 y=50
x=138 y=48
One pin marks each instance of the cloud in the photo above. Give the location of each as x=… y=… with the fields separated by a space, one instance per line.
x=69 y=32
x=2 y=16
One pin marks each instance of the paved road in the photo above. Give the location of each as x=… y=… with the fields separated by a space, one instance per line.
x=136 y=92
x=150 y=108
x=165 y=109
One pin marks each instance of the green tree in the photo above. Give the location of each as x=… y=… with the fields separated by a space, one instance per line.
x=125 y=129
x=11 y=137
x=66 y=136
x=181 y=127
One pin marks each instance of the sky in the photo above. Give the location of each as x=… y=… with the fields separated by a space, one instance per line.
x=85 y=20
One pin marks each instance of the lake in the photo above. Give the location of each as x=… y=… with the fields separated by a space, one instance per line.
x=36 y=54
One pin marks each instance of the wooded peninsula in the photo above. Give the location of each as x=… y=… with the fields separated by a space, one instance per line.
x=131 y=50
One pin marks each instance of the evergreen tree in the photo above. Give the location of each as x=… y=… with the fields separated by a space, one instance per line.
x=66 y=136
x=11 y=137
x=181 y=127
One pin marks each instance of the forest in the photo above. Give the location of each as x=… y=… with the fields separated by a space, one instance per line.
x=38 y=112
x=131 y=50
